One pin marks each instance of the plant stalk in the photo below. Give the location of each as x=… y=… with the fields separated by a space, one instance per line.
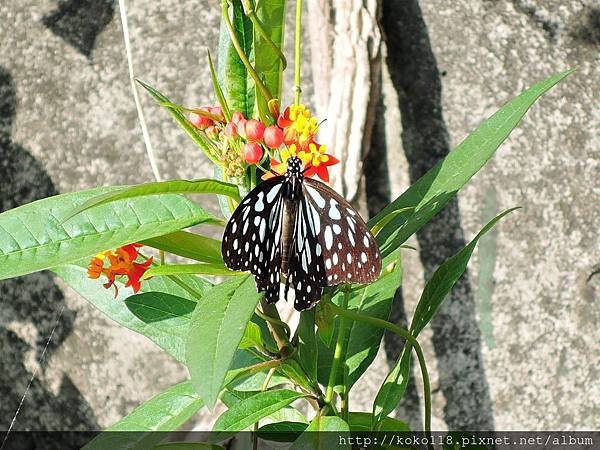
x=298 y=56
x=411 y=341
x=338 y=354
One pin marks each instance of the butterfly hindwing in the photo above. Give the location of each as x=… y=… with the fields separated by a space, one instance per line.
x=349 y=250
x=306 y=269
x=252 y=238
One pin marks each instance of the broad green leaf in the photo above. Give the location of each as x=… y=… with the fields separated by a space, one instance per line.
x=247 y=412
x=217 y=327
x=202 y=186
x=237 y=85
x=431 y=192
x=282 y=431
x=33 y=237
x=138 y=430
x=196 y=135
x=324 y=433
x=252 y=336
x=375 y=229
x=434 y=293
x=325 y=321
x=307 y=343
x=168 y=333
x=201 y=269
x=363 y=339
x=271 y=15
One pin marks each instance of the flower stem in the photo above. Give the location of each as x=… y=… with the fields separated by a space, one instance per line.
x=250 y=12
x=411 y=341
x=279 y=330
x=338 y=354
x=240 y=51
x=298 y=56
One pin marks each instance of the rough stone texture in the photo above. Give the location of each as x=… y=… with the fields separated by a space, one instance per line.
x=68 y=122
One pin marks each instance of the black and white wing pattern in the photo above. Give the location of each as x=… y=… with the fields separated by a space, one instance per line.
x=349 y=250
x=306 y=275
x=252 y=239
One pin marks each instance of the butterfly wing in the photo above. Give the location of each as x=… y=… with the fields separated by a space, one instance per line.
x=252 y=238
x=349 y=250
x=306 y=275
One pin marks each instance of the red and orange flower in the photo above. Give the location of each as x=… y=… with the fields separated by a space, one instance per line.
x=121 y=262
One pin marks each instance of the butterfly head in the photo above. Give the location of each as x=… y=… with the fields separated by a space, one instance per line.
x=293 y=176
x=294 y=166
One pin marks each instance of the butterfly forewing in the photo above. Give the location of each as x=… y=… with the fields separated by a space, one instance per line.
x=253 y=235
x=349 y=250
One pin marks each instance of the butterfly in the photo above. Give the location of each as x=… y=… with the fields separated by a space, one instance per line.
x=302 y=229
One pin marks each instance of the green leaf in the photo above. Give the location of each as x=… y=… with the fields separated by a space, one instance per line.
x=431 y=192
x=189 y=245
x=217 y=89
x=324 y=433
x=434 y=293
x=196 y=135
x=33 y=237
x=252 y=336
x=168 y=333
x=361 y=422
x=363 y=339
x=282 y=431
x=246 y=412
x=187 y=446
x=325 y=321
x=165 y=412
x=202 y=186
x=307 y=343
x=202 y=269
x=375 y=229
x=236 y=83
x=287 y=414
x=271 y=15
x=217 y=328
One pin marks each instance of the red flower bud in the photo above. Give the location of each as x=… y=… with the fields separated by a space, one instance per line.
x=237 y=117
x=253 y=153
x=199 y=121
x=231 y=130
x=273 y=136
x=216 y=110
x=241 y=127
x=254 y=130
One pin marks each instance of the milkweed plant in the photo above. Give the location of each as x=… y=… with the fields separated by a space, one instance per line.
x=286 y=234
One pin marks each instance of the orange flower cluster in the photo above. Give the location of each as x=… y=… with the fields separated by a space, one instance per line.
x=121 y=262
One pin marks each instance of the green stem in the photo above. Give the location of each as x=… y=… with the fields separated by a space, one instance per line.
x=411 y=341
x=236 y=44
x=298 y=56
x=279 y=330
x=338 y=354
x=217 y=89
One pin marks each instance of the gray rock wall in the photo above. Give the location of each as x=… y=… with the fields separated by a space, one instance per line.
x=68 y=122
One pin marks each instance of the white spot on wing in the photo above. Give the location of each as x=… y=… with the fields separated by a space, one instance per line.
x=273 y=192
x=334 y=213
x=318 y=198
x=328 y=237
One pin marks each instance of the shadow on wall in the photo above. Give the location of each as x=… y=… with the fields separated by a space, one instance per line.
x=30 y=307
x=456 y=335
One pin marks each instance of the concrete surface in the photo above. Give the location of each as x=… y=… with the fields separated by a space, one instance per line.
x=68 y=122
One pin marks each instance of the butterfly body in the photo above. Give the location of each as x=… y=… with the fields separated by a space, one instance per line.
x=302 y=229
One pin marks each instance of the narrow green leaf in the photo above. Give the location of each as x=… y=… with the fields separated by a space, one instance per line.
x=252 y=336
x=218 y=324
x=202 y=186
x=203 y=269
x=325 y=321
x=361 y=422
x=267 y=62
x=189 y=245
x=236 y=83
x=282 y=431
x=375 y=229
x=247 y=412
x=217 y=89
x=134 y=313
x=307 y=343
x=286 y=414
x=363 y=339
x=165 y=412
x=187 y=446
x=434 y=293
x=200 y=139
x=431 y=192
x=33 y=237
x=324 y=433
